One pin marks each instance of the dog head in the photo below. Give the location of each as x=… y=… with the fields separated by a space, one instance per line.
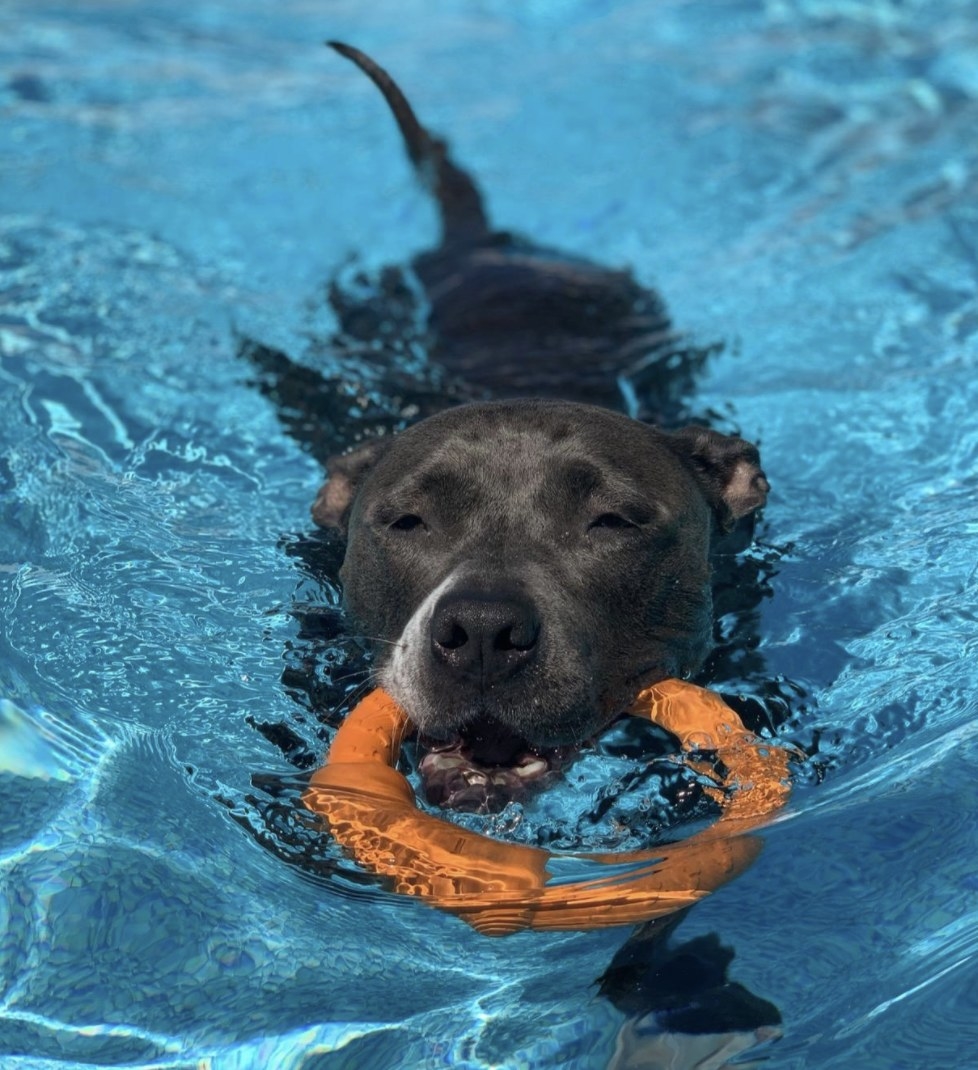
x=525 y=568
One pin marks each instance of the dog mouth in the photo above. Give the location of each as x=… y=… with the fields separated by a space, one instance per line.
x=485 y=767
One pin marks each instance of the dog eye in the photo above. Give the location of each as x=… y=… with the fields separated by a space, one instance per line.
x=408 y=522
x=610 y=522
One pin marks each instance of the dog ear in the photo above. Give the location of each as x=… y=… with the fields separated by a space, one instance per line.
x=347 y=471
x=727 y=468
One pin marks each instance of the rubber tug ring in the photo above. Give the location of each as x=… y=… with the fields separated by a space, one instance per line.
x=500 y=888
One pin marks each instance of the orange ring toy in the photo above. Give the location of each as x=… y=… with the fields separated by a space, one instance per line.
x=500 y=888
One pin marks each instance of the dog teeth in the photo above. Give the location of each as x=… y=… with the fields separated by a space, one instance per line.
x=531 y=768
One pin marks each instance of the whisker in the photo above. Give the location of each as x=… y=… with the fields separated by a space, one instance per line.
x=376 y=639
x=354 y=696
x=366 y=673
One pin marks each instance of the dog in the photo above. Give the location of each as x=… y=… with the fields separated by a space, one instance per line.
x=523 y=568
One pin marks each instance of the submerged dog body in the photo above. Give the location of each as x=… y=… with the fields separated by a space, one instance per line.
x=511 y=318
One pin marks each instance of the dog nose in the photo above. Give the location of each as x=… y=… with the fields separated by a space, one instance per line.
x=484 y=634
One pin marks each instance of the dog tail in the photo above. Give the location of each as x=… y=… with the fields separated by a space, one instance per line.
x=463 y=217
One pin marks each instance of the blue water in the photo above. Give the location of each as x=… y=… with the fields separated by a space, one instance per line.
x=799 y=180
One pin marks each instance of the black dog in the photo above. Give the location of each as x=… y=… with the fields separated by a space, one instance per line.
x=522 y=567
x=525 y=568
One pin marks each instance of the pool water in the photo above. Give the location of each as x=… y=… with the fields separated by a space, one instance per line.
x=179 y=185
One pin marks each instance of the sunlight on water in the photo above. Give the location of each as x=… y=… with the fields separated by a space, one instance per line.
x=40 y=746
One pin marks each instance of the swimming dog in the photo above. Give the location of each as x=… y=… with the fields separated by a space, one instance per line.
x=523 y=567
